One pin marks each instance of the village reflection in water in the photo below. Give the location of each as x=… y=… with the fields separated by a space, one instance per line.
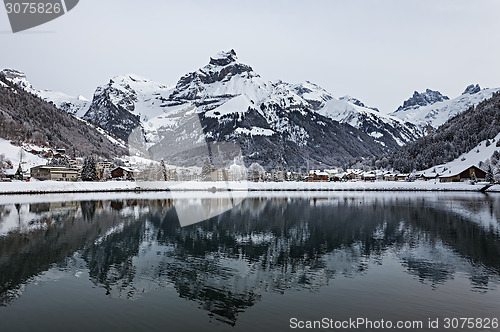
x=132 y=247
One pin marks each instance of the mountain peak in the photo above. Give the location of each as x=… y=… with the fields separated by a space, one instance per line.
x=224 y=68
x=12 y=73
x=315 y=95
x=418 y=99
x=223 y=58
x=17 y=77
x=128 y=79
x=472 y=89
x=357 y=102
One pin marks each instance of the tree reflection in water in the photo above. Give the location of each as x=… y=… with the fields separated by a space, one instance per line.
x=226 y=263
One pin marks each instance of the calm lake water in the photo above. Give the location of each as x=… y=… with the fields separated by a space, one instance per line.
x=123 y=262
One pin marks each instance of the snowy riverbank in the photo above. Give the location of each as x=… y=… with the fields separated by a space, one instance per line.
x=41 y=187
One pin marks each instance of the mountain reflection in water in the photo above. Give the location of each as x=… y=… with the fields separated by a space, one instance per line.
x=226 y=264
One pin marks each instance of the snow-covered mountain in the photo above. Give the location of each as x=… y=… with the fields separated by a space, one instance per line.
x=357 y=102
x=390 y=132
x=420 y=99
x=431 y=108
x=73 y=105
x=225 y=108
x=272 y=122
x=315 y=95
x=125 y=103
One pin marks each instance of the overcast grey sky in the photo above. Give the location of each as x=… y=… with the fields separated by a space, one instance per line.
x=377 y=51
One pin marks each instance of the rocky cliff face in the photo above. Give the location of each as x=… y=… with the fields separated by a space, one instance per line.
x=431 y=110
x=390 y=132
x=472 y=89
x=419 y=99
x=125 y=103
x=357 y=102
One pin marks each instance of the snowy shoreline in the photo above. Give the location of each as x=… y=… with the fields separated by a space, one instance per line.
x=51 y=187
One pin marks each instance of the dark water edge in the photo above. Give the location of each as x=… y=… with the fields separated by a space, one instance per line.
x=125 y=263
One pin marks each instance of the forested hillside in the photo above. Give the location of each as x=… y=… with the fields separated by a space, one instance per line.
x=458 y=135
x=25 y=117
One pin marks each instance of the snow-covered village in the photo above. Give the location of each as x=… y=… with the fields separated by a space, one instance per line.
x=235 y=166
x=37 y=164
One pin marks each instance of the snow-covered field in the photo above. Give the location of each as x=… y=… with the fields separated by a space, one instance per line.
x=38 y=187
x=13 y=154
x=481 y=153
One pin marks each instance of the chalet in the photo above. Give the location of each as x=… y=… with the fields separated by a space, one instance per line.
x=403 y=177
x=390 y=177
x=340 y=176
x=369 y=176
x=332 y=171
x=48 y=154
x=429 y=176
x=336 y=177
x=334 y=174
x=122 y=173
x=354 y=174
x=317 y=176
x=54 y=173
x=36 y=151
x=470 y=173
